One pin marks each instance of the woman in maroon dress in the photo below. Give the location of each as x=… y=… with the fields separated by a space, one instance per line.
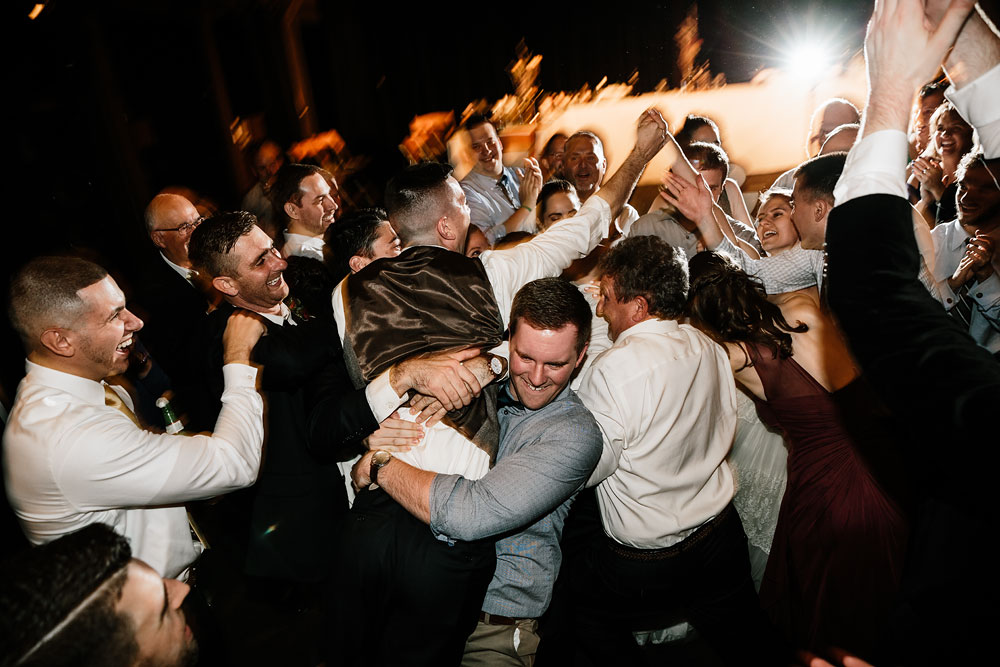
x=837 y=554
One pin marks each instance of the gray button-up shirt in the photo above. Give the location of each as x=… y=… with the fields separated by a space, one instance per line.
x=545 y=457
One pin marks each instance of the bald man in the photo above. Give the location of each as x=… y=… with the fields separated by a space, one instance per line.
x=173 y=306
x=830 y=116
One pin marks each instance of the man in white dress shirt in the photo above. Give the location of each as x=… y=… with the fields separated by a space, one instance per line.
x=665 y=400
x=306 y=196
x=74 y=453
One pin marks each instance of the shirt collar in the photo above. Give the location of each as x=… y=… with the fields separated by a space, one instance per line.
x=285 y=316
x=519 y=406
x=486 y=180
x=305 y=241
x=649 y=326
x=186 y=274
x=83 y=388
x=955 y=235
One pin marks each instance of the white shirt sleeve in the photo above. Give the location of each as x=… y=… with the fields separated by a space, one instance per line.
x=979 y=104
x=875 y=165
x=548 y=254
x=110 y=463
x=598 y=394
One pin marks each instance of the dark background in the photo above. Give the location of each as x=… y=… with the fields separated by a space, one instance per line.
x=113 y=101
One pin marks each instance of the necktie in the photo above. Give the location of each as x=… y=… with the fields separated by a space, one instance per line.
x=962 y=310
x=112 y=399
x=504 y=186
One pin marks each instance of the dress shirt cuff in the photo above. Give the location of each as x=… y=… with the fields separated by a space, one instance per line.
x=382 y=398
x=979 y=104
x=987 y=293
x=239 y=376
x=442 y=487
x=876 y=165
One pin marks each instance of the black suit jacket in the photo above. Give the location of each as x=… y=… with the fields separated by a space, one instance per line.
x=173 y=314
x=945 y=390
x=313 y=418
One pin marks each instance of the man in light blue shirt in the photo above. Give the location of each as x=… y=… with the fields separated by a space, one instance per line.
x=549 y=445
x=500 y=199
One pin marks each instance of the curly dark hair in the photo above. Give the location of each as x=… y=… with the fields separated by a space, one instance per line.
x=649 y=267
x=732 y=307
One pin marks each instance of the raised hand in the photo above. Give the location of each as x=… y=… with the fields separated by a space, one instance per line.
x=531 y=182
x=651 y=135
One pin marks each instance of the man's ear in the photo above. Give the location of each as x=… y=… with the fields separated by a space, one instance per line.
x=226 y=285
x=583 y=353
x=357 y=262
x=640 y=309
x=58 y=342
x=291 y=210
x=445 y=229
x=821 y=208
x=157 y=239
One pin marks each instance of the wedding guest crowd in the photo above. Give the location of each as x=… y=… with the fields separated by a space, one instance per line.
x=507 y=420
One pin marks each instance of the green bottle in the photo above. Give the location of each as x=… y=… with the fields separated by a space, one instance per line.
x=174 y=424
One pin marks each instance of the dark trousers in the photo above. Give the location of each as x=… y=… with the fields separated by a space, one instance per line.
x=704 y=579
x=401 y=596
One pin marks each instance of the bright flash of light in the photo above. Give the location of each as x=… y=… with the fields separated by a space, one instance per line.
x=808 y=61
x=36 y=10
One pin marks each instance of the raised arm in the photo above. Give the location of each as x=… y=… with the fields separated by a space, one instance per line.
x=650 y=138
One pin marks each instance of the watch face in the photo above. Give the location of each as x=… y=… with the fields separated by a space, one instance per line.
x=496 y=365
x=381 y=457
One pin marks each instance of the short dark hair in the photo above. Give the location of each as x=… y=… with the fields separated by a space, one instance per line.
x=45 y=293
x=553 y=187
x=354 y=234
x=212 y=242
x=547 y=149
x=477 y=119
x=649 y=267
x=709 y=156
x=587 y=134
x=287 y=184
x=60 y=602
x=693 y=123
x=552 y=303
x=819 y=175
x=413 y=199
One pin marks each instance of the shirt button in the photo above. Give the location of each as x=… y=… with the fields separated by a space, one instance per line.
x=949 y=300
x=979 y=295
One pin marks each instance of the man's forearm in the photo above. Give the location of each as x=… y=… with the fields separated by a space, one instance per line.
x=976 y=51
x=408 y=486
x=619 y=188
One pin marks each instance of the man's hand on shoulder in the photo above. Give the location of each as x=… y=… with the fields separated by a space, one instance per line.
x=243 y=330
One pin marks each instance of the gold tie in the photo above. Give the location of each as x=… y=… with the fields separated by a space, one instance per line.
x=115 y=401
x=112 y=399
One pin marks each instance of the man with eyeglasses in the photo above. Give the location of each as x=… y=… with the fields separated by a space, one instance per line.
x=173 y=303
